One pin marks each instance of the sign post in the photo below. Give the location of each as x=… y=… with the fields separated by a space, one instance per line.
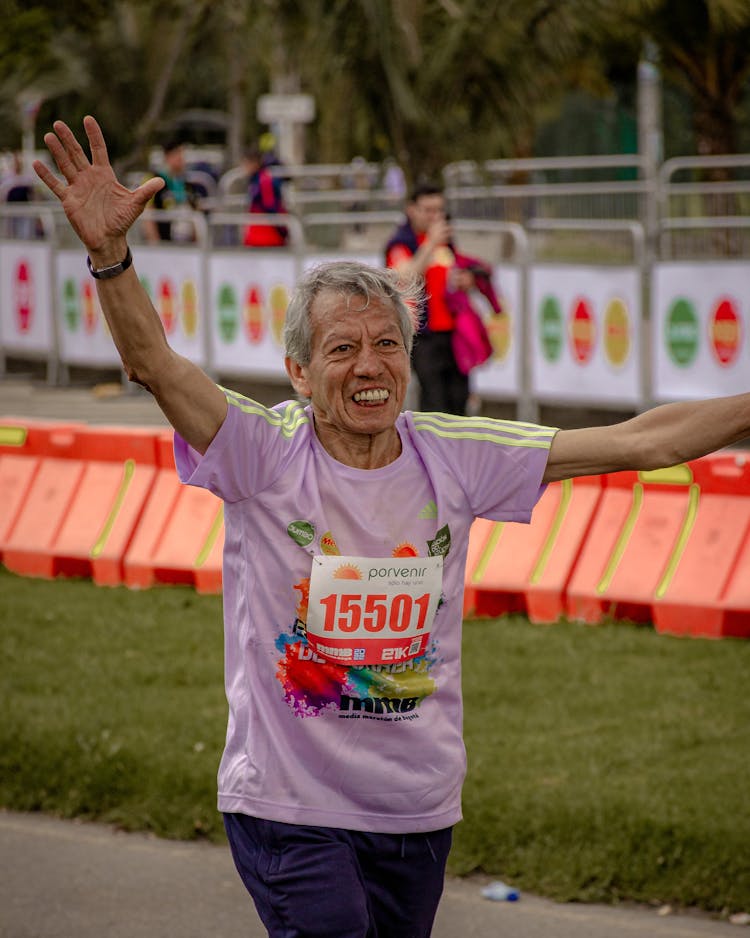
x=286 y=112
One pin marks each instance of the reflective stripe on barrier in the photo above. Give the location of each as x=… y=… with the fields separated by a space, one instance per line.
x=637 y=529
x=707 y=590
x=526 y=568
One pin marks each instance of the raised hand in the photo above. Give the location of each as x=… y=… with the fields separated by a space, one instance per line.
x=99 y=209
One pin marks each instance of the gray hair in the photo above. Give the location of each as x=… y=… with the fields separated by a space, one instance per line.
x=350 y=278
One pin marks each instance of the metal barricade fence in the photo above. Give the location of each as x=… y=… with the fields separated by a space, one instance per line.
x=507 y=375
x=522 y=202
x=350 y=231
x=717 y=188
x=575 y=327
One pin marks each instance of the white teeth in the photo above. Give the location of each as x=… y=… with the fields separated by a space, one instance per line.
x=379 y=394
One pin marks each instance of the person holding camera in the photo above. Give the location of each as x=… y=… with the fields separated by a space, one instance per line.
x=422 y=247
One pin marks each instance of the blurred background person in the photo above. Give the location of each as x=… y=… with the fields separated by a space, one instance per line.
x=16 y=188
x=264 y=198
x=178 y=193
x=422 y=246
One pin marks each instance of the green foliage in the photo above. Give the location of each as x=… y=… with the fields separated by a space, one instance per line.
x=428 y=82
x=605 y=763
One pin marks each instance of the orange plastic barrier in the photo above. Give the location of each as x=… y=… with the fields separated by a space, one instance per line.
x=22 y=444
x=664 y=548
x=640 y=520
x=671 y=546
x=526 y=568
x=706 y=590
x=81 y=506
x=16 y=475
x=180 y=535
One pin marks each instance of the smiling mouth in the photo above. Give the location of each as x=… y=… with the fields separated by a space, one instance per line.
x=373 y=396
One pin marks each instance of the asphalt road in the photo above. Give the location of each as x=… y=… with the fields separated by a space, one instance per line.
x=67 y=879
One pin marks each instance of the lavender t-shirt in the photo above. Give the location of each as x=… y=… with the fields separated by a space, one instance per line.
x=314 y=741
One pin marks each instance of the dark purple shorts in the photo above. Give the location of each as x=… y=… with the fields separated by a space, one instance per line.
x=325 y=882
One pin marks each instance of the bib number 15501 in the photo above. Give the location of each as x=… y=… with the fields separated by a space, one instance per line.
x=374 y=612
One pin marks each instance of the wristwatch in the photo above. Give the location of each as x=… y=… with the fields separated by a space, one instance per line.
x=105 y=273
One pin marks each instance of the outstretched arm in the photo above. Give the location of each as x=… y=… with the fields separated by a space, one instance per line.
x=663 y=436
x=101 y=212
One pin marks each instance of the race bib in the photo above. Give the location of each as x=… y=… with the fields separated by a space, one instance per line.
x=365 y=610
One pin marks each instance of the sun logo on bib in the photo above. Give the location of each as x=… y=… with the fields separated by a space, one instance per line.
x=347 y=571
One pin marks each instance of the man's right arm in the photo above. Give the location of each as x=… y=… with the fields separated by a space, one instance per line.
x=189 y=399
x=101 y=212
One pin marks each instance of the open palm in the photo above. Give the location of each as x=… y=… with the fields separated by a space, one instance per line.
x=97 y=206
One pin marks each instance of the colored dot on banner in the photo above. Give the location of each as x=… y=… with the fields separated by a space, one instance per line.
x=682 y=333
x=23 y=290
x=189 y=308
x=616 y=332
x=253 y=314
x=89 y=308
x=167 y=306
x=71 y=305
x=228 y=318
x=499 y=331
x=582 y=331
x=279 y=300
x=725 y=331
x=551 y=328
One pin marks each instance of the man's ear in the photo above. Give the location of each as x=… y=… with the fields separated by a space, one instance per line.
x=298 y=376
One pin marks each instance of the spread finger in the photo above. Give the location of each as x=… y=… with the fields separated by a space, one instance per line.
x=73 y=148
x=97 y=145
x=49 y=179
x=60 y=156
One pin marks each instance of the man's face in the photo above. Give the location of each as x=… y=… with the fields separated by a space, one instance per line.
x=358 y=370
x=425 y=211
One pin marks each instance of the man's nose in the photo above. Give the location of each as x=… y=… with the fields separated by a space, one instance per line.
x=368 y=361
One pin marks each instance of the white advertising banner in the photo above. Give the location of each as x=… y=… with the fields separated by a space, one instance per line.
x=701 y=341
x=82 y=329
x=500 y=376
x=248 y=293
x=25 y=298
x=172 y=278
x=586 y=333
x=175 y=279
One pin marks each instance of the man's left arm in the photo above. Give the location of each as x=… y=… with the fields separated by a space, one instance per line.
x=664 y=436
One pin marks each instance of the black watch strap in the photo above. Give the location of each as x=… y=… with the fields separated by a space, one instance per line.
x=104 y=273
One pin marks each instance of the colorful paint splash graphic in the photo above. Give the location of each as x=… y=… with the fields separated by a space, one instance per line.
x=311 y=684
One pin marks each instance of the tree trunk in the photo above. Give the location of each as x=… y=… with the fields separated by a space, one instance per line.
x=191 y=12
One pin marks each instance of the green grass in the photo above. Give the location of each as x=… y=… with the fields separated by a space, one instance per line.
x=113 y=704
x=605 y=763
